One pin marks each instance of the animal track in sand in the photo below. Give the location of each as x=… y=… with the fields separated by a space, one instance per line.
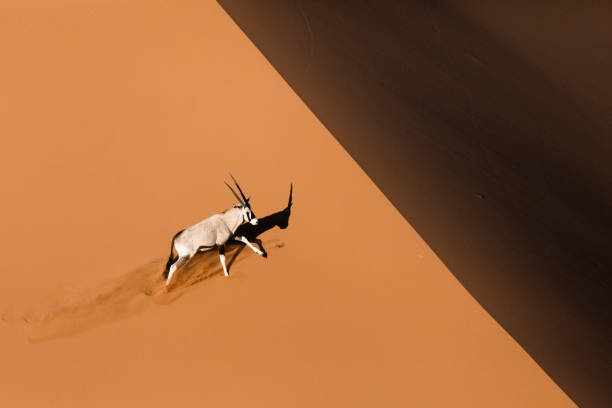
x=79 y=310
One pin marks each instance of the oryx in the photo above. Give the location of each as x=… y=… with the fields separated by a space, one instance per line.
x=211 y=232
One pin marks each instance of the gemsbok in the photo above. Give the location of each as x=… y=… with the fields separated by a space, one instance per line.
x=214 y=231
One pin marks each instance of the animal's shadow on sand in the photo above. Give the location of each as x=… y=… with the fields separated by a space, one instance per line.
x=80 y=311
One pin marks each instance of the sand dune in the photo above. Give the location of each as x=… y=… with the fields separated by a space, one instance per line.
x=120 y=122
x=487 y=126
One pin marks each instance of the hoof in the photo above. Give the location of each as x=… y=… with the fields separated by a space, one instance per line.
x=264 y=254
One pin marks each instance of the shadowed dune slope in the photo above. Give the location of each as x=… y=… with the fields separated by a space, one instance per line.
x=120 y=121
x=488 y=126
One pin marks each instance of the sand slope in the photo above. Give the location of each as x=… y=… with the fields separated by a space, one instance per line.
x=120 y=123
x=487 y=125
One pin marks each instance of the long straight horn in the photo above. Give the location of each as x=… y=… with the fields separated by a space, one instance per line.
x=246 y=200
x=235 y=195
x=290 y=196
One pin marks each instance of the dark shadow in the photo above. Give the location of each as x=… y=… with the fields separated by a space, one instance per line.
x=493 y=162
x=278 y=219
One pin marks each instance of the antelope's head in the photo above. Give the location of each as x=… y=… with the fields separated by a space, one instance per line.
x=245 y=207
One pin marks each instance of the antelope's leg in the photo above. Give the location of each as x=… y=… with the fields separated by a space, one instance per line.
x=179 y=262
x=222 y=258
x=246 y=241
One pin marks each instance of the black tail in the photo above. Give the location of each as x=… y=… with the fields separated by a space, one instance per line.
x=171 y=259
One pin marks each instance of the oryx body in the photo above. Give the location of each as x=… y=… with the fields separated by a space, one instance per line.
x=214 y=231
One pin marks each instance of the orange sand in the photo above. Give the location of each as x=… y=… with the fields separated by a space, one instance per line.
x=120 y=120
